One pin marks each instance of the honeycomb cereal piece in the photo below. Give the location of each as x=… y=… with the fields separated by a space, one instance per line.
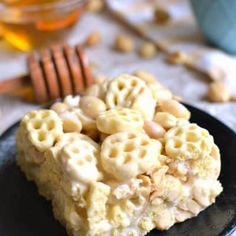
x=127 y=154
x=78 y=159
x=122 y=91
x=207 y=167
x=119 y=119
x=188 y=142
x=73 y=183
x=130 y=92
x=69 y=138
x=73 y=137
x=44 y=127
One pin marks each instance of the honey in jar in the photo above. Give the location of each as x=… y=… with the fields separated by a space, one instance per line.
x=33 y=24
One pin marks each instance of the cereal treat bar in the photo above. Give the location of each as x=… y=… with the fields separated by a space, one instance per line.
x=121 y=160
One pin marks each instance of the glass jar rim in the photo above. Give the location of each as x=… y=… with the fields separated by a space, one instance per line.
x=46 y=6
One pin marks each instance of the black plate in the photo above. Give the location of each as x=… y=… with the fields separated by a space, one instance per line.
x=23 y=212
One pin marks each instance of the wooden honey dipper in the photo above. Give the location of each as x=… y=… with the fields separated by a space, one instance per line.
x=53 y=73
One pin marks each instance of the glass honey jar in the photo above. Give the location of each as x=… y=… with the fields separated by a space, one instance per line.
x=34 y=24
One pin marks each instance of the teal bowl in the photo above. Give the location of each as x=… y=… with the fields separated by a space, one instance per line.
x=217 y=21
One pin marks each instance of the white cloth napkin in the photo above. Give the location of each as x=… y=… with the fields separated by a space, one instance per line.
x=179 y=34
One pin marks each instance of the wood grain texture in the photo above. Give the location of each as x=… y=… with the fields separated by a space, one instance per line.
x=11 y=85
